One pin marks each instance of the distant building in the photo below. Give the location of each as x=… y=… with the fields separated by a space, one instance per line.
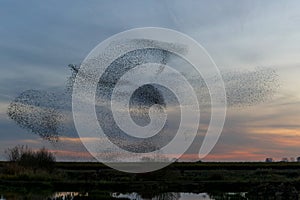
x=285 y=160
x=269 y=159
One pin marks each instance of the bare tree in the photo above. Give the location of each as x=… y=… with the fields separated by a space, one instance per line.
x=27 y=158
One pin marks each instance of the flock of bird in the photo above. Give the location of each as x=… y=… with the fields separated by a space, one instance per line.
x=49 y=113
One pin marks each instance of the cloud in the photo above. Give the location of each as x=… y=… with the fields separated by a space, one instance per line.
x=270 y=129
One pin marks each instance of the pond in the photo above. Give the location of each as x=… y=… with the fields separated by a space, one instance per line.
x=122 y=196
x=180 y=196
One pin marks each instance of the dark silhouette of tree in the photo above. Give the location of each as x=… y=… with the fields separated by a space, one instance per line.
x=27 y=158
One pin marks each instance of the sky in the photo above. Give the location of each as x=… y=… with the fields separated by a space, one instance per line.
x=39 y=40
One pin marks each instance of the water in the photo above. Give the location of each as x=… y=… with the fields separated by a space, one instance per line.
x=67 y=195
x=46 y=196
x=180 y=196
x=129 y=196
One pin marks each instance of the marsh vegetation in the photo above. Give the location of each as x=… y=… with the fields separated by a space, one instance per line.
x=30 y=171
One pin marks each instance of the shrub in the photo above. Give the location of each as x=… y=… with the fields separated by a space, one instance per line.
x=29 y=159
x=14 y=154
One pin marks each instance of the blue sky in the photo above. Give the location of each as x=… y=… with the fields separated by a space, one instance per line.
x=40 y=38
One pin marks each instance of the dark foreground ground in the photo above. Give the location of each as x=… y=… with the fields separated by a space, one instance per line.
x=259 y=180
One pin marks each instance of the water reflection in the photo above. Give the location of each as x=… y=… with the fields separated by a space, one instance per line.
x=136 y=196
x=181 y=196
x=67 y=195
x=44 y=196
x=123 y=196
x=265 y=191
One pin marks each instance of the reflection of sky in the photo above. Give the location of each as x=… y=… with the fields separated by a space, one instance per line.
x=38 y=39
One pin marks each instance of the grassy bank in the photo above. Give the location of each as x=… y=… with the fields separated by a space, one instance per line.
x=191 y=177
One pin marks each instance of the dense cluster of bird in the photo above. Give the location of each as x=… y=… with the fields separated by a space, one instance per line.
x=246 y=88
x=37 y=111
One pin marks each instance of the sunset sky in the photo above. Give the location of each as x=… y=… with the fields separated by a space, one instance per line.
x=40 y=38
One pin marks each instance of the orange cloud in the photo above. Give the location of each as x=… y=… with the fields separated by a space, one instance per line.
x=72 y=155
x=277 y=131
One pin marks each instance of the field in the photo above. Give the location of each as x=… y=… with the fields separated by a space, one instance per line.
x=254 y=178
